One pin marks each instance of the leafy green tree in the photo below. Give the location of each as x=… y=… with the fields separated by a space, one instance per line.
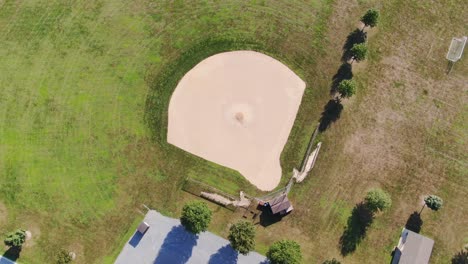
x=347 y=88
x=434 y=202
x=63 y=257
x=16 y=238
x=359 y=51
x=376 y=199
x=331 y=261
x=284 y=252
x=371 y=18
x=196 y=216
x=242 y=237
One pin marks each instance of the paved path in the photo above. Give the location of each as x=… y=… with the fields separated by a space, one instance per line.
x=166 y=241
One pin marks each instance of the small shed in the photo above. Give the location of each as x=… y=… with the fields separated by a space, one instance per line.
x=279 y=205
x=143 y=227
x=413 y=248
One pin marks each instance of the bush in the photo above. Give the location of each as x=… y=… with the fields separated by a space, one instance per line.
x=196 y=216
x=359 y=51
x=242 y=237
x=16 y=238
x=347 y=88
x=377 y=199
x=63 y=257
x=371 y=18
x=434 y=202
x=284 y=251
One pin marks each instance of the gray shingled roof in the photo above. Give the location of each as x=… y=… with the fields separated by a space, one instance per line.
x=415 y=249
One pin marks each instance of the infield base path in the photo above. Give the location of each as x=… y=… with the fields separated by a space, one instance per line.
x=237 y=109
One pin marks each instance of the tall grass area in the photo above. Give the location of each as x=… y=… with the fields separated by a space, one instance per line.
x=84 y=88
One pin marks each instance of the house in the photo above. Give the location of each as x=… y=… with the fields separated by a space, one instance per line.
x=279 y=205
x=412 y=248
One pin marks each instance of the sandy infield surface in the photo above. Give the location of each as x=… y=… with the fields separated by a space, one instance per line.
x=237 y=109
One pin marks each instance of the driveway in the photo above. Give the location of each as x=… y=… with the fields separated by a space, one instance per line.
x=166 y=241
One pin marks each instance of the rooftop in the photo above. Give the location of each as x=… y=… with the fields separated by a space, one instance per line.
x=280 y=204
x=413 y=248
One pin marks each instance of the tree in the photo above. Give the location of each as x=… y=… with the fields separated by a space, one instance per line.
x=196 y=216
x=434 y=202
x=359 y=51
x=376 y=199
x=64 y=257
x=242 y=237
x=331 y=261
x=347 y=88
x=370 y=18
x=16 y=238
x=284 y=251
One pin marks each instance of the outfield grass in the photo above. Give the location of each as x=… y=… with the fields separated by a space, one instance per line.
x=84 y=89
x=78 y=82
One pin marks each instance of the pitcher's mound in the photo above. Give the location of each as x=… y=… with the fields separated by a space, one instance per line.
x=237 y=109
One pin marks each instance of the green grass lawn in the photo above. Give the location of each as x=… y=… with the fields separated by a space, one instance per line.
x=84 y=89
x=81 y=81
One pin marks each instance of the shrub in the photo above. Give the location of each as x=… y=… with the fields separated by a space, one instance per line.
x=16 y=238
x=434 y=202
x=377 y=199
x=347 y=88
x=242 y=237
x=285 y=252
x=359 y=51
x=371 y=18
x=196 y=216
x=63 y=257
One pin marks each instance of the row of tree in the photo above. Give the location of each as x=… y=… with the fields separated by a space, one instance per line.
x=196 y=217
x=359 y=52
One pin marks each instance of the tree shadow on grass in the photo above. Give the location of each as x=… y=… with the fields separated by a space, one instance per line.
x=331 y=113
x=345 y=72
x=225 y=255
x=358 y=223
x=355 y=37
x=13 y=253
x=414 y=222
x=460 y=258
x=267 y=218
x=177 y=246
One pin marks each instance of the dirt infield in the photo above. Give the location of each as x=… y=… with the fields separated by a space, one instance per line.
x=237 y=109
